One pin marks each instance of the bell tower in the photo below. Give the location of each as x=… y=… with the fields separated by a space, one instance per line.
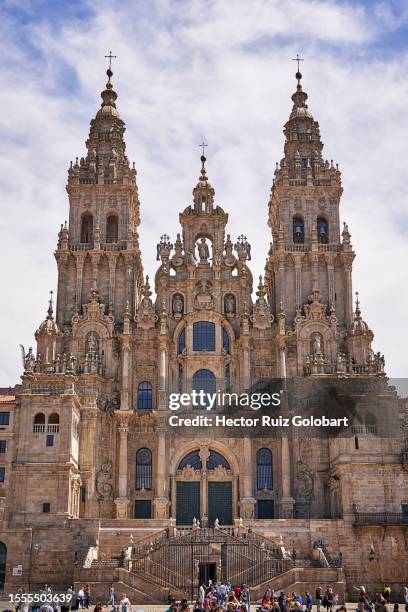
x=309 y=253
x=99 y=249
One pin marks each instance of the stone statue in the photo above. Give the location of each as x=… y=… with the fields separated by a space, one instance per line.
x=29 y=361
x=92 y=343
x=229 y=304
x=178 y=304
x=203 y=251
x=317 y=343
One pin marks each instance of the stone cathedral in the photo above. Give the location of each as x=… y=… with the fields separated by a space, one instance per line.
x=96 y=487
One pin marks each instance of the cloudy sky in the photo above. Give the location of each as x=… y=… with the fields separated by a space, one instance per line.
x=219 y=70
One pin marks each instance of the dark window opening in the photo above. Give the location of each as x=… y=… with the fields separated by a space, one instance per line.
x=2 y=474
x=50 y=440
x=204 y=336
x=112 y=228
x=46 y=507
x=144 y=469
x=298 y=230
x=4 y=418
x=322 y=230
x=3 y=446
x=143 y=509
x=204 y=380
x=87 y=228
x=264 y=480
x=265 y=509
x=144 y=396
x=356 y=445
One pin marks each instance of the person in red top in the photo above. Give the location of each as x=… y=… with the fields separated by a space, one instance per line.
x=237 y=591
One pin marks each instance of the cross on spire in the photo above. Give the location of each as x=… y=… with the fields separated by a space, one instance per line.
x=298 y=59
x=110 y=57
x=203 y=145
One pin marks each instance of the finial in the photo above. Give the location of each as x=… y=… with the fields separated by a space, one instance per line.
x=110 y=57
x=298 y=74
x=50 y=310
x=358 y=311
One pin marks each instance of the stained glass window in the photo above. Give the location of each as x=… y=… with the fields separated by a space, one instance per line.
x=264 y=470
x=144 y=469
x=144 y=396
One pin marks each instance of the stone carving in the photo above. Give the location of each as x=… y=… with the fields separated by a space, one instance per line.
x=103 y=485
x=243 y=249
x=178 y=259
x=261 y=316
x=203 y=291
x=164 y=249
x=203 y=251
x=146 y=316
x=229 y=305
x=315 y=310
x=29 y=361
x=177 y=305
x=92 y=343
x=229 y=258
x=304 y=480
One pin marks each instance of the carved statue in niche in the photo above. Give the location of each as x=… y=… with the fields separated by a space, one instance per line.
x=317 y=343
x=104 y=487
x=92 y=343
x=203 y=250
x=177 y=305
x=229 y=305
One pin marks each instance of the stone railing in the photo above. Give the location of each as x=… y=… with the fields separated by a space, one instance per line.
x=380 y=518
x=325 y=556
x=370 y=430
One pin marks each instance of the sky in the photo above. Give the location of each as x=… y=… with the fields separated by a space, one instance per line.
x=218 y=70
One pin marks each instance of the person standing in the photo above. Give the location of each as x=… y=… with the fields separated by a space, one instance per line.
x=319 y=597
x=125 y=604
x=309 y=602
x=111 y=596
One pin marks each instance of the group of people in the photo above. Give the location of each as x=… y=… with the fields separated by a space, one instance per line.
x=286 y=602
x=381 y=600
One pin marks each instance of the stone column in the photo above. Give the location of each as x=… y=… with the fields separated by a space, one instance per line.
x=286 y=502
x=112 y=259
x=173 y=484
x=122 y=501
x=126 y=362
x=247 y=502
x=330 y=280
x=348 y=291
x=298 y=281
x=235 y=511
x=80 y=258
x=162 y=399
x=161 y=500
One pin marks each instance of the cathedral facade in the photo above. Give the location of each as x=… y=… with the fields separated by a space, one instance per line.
x=98 y=488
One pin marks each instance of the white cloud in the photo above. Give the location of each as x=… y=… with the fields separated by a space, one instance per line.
x=218 y=70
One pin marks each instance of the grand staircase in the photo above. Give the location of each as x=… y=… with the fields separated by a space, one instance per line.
x=179 y=559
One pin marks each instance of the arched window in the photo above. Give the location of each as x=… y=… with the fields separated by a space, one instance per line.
x=111 y=228
x=204 y=380
x=322 y=230
x=214 y=460
x=144 y=396
x=264 y=479
x=3 y=561
x=182 y=341
x=225 y=341
x=39 y=423
x=298 y=230
x=87 y=228
x=192 y=459
x=204 y=336
x=53 y=423
x=144 y=469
